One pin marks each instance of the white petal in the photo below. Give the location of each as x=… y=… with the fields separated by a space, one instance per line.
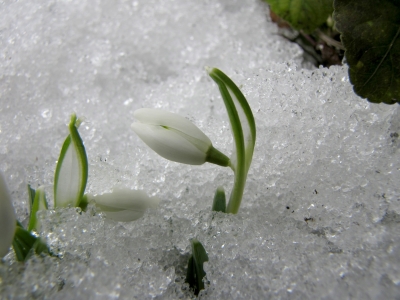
x=68 y=180
x=170 y=145
x=154 y=116
x=7 y=218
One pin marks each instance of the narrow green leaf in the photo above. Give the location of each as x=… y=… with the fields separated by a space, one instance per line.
x=19 y=250
x=245 y=115
x=40 y=247
x=195 y=271
x=370 y=32
x=72 y=169
x=219 y=203
x=31 y=195
x=39 y=203
x=306 y=15
x=191 y=273
x=25 y=244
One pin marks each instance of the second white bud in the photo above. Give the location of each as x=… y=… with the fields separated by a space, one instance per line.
x=124 y=205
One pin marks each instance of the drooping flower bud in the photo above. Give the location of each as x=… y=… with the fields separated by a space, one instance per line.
x=176 y=138
x=124 y=205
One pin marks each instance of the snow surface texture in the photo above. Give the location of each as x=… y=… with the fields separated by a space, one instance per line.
x=321 y=212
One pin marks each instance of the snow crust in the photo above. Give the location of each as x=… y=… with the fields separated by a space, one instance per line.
x=320 y=215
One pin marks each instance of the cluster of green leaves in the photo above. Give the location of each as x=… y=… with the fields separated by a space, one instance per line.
x=26 y=242
x=370 y=35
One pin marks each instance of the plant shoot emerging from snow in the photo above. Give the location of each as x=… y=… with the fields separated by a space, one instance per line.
x=175 y=138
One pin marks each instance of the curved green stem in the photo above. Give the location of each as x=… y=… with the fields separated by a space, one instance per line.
x=240 y=169
x=215 y=156
x=244 y=133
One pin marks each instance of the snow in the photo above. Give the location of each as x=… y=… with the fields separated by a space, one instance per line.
x=320 y=214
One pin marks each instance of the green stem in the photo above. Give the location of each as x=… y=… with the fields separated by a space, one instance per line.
x=240 y=170
x=215 y=156
x=237 y=192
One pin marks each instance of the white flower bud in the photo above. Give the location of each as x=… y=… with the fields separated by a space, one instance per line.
x=175 y=138
x=124 y=205
x=7 y=218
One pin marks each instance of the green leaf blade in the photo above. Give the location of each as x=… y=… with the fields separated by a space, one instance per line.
x=219 y=203
x=72 y=169
x=370 y=32
x=245 y=115
x=195 y=271
x=31 y=194
x=25 y=244
x=306 y=15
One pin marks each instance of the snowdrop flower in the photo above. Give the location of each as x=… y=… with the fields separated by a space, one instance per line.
x=124 y=205
x=175 y=138
x=72 y=169
x=7 y=218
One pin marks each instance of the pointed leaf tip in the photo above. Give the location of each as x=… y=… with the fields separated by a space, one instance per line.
x=219 y=203
x=195 y=272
